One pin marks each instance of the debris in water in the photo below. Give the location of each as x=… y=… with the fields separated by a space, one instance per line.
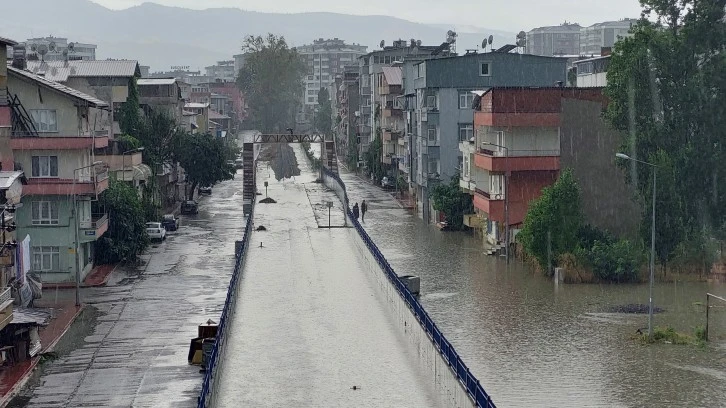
x=355 y=387
x=635 y=308
x=261 y=228
x=268 y=200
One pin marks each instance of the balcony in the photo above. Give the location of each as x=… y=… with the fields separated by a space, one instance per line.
x=467 y=185
x=117 y=162
x=517 y=119
x=493 y=207
x=518 y=160
x=6 y=307
x=92 y=230
x=27 y=141
x=83 y=185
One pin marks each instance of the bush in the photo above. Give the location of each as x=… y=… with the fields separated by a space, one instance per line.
x=612 y=261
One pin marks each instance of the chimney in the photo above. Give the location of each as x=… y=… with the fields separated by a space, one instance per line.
x=19 y=60
x=605 y=51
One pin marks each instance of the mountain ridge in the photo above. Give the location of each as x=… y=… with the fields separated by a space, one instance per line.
x=162 y=36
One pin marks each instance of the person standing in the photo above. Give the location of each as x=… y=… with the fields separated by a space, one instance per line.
x=355 y=211
x=363 y=209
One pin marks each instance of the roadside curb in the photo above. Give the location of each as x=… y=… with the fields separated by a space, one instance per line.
x=5 y=399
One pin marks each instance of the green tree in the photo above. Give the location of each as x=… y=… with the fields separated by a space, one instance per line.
x=449 y=199
x=556 y=212
x=159 y=135
x=666 y=87
x=204 y=159
x=126 y=236
x=372 y=157
x=323 y=116
x=271 y=81
x=130 y=120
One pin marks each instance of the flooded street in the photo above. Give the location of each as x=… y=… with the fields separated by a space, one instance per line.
x=310 y=322
x=130 y=347
x=532 y=344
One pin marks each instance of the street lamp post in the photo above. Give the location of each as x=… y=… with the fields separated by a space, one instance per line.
x=123 y=161
x=506 y=196
x=74 y=212
x=652 y=242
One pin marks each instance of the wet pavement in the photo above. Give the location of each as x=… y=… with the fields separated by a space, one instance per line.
x=131 y=350
x=310 y=322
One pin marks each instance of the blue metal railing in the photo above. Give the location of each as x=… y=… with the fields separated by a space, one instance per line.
x=444 y=347
x=209 y=386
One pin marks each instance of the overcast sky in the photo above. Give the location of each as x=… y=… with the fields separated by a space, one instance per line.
x=509 y=15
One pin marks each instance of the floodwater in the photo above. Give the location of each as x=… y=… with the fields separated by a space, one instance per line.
x=310 y=323
x=532 y=343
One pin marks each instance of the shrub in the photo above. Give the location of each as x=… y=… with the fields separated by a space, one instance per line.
x=613 y=262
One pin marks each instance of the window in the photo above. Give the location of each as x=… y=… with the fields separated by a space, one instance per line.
x=466 y=132
x=46 y=258
x=431 y=101
x=311 y=99
x=465 y=100
x=432 y=133
x=465 y=165
x=44 y=119
x=310 y=77
x=500 y=140
x=45 y=166
x=485 y=69
x=433 y=166
x=44 y=212
x=496 y=186
x=312 y=92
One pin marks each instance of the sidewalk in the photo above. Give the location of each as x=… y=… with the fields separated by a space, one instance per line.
x=404 y=200
x=13 y=378
x=98 y=276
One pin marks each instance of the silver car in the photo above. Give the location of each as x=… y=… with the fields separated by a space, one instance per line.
x=155 y=231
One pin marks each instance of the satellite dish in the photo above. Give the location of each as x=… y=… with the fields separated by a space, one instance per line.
x=33 y=47
x=484 y=43
x=52 y=46
x=71 y=46
x=521 y=42
x=42 y=49
x=413 y=42
x=521 y=34
x=383 y=43
x=491 y=38
x=418 y=43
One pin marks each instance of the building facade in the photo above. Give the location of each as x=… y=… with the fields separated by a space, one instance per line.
x=348 y=108
x=324 y=60
x=592 y=72
x=443 y=115
x=55 y=146
x=563 y=39
x=222 y=71
x=604 y=35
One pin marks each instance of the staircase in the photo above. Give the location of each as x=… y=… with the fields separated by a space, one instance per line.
x=249 y=191
x=22 y=123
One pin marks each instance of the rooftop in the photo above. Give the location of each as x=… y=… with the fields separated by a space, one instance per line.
x=55 y=86
x=7 y=41
x=214 y=115
x=196 y=105
x=60 y=71
x=393 y=75
x=7 y=178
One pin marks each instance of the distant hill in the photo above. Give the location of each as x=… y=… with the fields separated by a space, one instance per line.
x=163 y=36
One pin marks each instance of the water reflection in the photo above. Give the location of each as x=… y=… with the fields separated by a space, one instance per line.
x=532 y=343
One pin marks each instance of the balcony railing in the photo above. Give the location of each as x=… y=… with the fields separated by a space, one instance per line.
x=5 y=295
x=518 y=153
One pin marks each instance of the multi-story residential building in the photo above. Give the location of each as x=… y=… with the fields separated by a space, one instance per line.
x=563 y=39
x=604 y=35
x=183 y=74
x=324 y=59
x=349 y=112
x=222 y=71
x=59 y=49
x=370 y=65
x=444 y=115
x=592 y=72
x=530 y=134
x=201 y=116
x=239 y=62
x=107 y=80
x=390 y=82
x=231 y=103
x=161 y=95
x=54 y=144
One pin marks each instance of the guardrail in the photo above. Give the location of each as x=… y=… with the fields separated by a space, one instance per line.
x=209 y=386
x=444 y=347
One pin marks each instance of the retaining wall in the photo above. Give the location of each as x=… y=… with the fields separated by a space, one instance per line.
x=457 y=386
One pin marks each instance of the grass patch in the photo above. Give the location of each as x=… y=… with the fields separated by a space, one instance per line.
x=668 y=335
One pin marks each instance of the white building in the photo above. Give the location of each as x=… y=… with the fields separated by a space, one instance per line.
x=325 y=59
x=592 y=72
x=223 y=71
x=603 y=35
x=563 y=39
x=56 y=48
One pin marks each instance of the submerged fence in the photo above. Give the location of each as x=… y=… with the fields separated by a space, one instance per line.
x=443 y=346
x=208 y=394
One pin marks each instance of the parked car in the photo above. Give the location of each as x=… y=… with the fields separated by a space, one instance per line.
x=239 y=163
x=155 y=231
x=387 y=183
x=170 y=222
x=189 y=207
x=205 y=190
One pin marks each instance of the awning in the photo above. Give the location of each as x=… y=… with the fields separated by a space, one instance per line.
x=140 y=172
x=32 y=316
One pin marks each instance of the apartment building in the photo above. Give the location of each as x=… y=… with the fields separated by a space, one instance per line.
x=161 y=95
x=222 y=71
x=604 y=35
x=563 y=39
x=390 y=89
x=592 y=72
x=56 y=130
x=324 y=59
x=348 y=108
x=59 y=49
x=530 y=134
x=443 y=115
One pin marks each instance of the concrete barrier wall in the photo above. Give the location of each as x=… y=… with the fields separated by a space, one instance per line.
x=454 y=382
